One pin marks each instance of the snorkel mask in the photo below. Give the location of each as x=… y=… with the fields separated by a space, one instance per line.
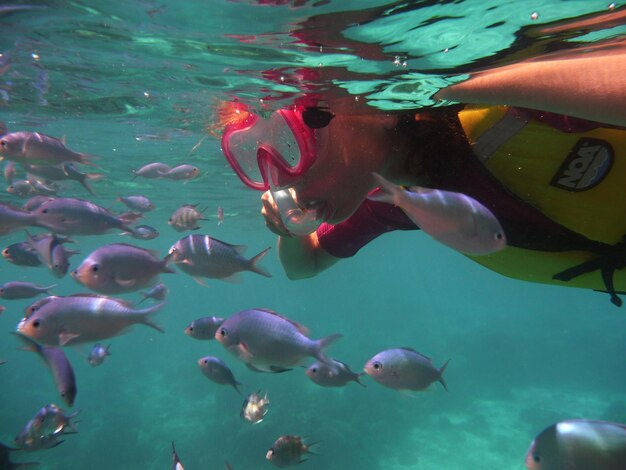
x=271 y=154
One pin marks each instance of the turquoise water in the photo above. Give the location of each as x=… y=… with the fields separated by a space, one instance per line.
x=135 y=82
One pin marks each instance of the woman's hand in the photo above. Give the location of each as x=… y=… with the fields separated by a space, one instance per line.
x=270 y=212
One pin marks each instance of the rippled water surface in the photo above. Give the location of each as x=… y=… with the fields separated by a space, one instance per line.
x=136 y=82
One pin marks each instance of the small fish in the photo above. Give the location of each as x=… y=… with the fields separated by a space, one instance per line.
x=220 y=216
x=579 y=444
x=176 y=464
x=21 y=254
x=49 y=248
x=137 y=203
x=83 y=318
x=22 y=188
x=142 y=232
x=67 y=171
x=70 y=216
x=216 y=370
x=182 y=172
x=119 y=268
x=13 y=218
x=332 y=374
x=45 y=429
x=59 y=365
x=266 y=341
x=255 y=408
x=39 y=149
x=152 y=170
x=10 y=170
x=186 y=218
x=202 y=256
x=32 y=308
x=287 y=451
x=404 y=369
x=22 y=290
x=2 y=309
x=204 y=328
x=454 y=219
x=35 y=202
x=98 y=354
x=158 y=292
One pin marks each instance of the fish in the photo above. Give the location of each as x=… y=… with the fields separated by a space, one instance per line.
x=182 y=172
x=203 y=256
x=27 y=188
x=51 y=253
x=216 y=370
x=56 y=360
x=152 y=170
x=158 y=292
x=39 y=149
x=35 y=202
x=220 y=216
x=404 y=369
x=332 y=374
x=66 y=171
x=49 y=422
x=454 y=219
x=255 y=408
x=176 y=464
x=119 y=268
x=70 y=216
x=21 y=254
x=186 y=218
x=142 y=232
x=83 y=318
x=137 y=203
x=204 y=328
x=579 y=444
x=287 y=451
x=5 y=459
x=98 y=354
x=13 y=218
x=83 y=178
x=9 y=172
x=2 y=309
x=32 y=308
x=22 y=290
x=269 y=342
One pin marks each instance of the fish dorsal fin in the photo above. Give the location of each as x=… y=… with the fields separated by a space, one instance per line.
x=418 y=353
x=240 y=249
x=301 y=328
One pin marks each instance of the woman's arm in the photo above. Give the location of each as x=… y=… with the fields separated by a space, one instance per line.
x=303 y=257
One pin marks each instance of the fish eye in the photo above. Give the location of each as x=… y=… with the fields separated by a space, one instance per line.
x=536 y=458
x=223 y=332
x=44 y=211
x=3 y=143
x=316 y=118
x=314 y=370
x=499 y=236
x=206 y=361
x=95 y=268
x=36 y=323
x=377 y=365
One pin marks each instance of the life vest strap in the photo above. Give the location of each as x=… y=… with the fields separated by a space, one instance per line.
x=509 y=125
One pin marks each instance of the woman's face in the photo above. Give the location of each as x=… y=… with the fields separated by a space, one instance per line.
x=348 y=150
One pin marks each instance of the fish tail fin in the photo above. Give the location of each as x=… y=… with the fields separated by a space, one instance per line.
x=389 y=192
x=169 y=258
x=130 y=217
x=84 y=180
x=357 y=379
x=147 y=314
x=441 y=371
x=254 y=263
x=49 y=288
x=86 y=159
x=72 y=424
x=322 y=344
x=106 y=351
x=236 y=386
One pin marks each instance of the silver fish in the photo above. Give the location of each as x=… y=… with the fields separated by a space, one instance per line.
x=158 y=292
x=220 y=215
x=66 y=171
x=64 y=321
x=267 y=341
x=202 y=256
x=176 y=464
x=45 y=429
x=137 y=203
x=404 y=369
x=255 y=408
x=50 y=250
x=186 y=218
x=454 y=219
x=22 y=290
x=71 y=216
x=35 y=202
x=287 y=451
x=579 y=444
x=152 y=170
x=32 y=308
x=21 y=254
x=98 y=354
x=142 y=232
x=332 y=374
x=182 y=172
x=22 y=188
x=119 y=268
x=39 y=149
x=59 y=365
x=204 y=328
x=216 y=370
x=10 y=170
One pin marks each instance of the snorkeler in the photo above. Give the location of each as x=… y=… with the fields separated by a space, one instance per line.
x=552 y=181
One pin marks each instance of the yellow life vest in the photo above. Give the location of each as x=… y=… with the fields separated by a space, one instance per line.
x=576 y=179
